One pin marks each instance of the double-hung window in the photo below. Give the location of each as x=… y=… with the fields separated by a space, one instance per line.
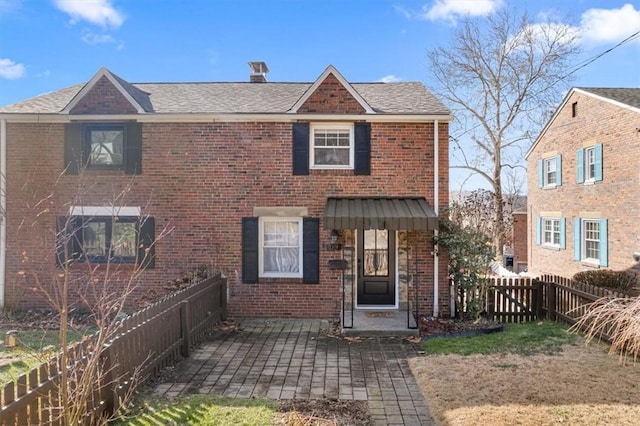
x=589 y=165
x=280 y=247
x=591 y=241
x=332 y=146
x=550 y=172
x=550 y=232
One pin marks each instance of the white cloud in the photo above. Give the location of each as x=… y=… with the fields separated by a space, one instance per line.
x=609 y=25
x=98 y=12
x=451 y=10
x=93 y=38
x=10 y=70
x=389 y=79
x=545 y=32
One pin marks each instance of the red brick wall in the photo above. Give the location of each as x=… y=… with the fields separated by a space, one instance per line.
x=614 y=198
x=331 y=97
x=103 y=98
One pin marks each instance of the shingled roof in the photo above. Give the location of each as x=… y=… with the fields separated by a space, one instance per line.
x=240 y=97
x=627 y=96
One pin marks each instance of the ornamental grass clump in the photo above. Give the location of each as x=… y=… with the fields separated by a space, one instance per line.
x=617 y=320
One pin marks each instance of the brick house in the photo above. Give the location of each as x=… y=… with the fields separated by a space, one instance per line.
x=312 y=198
x=583 y=208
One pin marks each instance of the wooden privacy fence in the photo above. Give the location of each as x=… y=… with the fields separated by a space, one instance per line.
x=147 y=341
x=547 y=297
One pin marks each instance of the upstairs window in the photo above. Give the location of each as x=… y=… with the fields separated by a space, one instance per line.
x=332 y=146
x=104 y=146
x=589 y=165
x=550 y=172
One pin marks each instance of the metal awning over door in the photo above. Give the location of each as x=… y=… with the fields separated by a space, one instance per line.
x=397 y=213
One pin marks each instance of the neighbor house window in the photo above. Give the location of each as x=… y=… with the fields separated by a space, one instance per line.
x=280 y=247
x=590 y=164
x=331 y=146
x=104 y=146
x=550 y=232
x=591 y=241
x=550 y=172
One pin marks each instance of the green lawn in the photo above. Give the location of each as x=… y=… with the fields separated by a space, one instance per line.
x=524 y=339
x=202 y=410
x=33 y=347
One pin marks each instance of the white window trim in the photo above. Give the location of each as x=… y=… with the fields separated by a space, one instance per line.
x=545 y=180
x=90 y=211
x=264 y=274
x=587 y=170
x=543 y=231
x=583 y=242
x=325 y=126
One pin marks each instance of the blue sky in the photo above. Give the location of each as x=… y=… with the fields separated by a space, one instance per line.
x=46 y=45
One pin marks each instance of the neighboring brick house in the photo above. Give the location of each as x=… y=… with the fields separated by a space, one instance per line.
x=266 y=182
x=519 y=240
x=583 y=204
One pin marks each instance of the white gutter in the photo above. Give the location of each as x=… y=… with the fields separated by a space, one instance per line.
x=3 y=207
x=436 y=195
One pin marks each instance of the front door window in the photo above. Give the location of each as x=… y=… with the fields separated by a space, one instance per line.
x=376 y=253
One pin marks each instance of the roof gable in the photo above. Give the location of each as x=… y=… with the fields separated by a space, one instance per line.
x=621 y=97
x=106 y=93
x=329 y=85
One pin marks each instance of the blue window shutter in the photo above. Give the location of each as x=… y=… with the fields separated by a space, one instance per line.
x=300 y=148
x=250 y=250
x=362 y=154
x=580 y=165
x=559 y=169
x=146 y=243
x=538 y=230
x=604 y=247
x=563 y=243
x=598 y=172
x=310 y=250
x=577 y=237
x=540 y=174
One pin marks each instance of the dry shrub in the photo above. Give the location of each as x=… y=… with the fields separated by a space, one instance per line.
x=617 y=320
x=295 y=418
x=619 y=280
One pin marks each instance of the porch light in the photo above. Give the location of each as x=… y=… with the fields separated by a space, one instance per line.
x=334 y=235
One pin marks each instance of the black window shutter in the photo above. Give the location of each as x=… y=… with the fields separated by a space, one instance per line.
x=310 y=250
x=146 y=243
x=300 y=148
x=133 y=149
x=73 y=138
x=250 y=250
x=362 y=136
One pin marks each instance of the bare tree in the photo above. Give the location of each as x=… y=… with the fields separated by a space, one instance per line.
x=501 y=76
x=69 y=281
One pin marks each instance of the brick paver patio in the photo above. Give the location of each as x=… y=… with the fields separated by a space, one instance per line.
x=298 y=359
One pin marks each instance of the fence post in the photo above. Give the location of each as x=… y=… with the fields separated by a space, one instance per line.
x=491 y=303
x=551 y=301
x=223 y=299
x=185 y=327
x=539 y=299
x=109 y=377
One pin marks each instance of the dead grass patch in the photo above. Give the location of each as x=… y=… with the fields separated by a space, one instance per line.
x=582 y=385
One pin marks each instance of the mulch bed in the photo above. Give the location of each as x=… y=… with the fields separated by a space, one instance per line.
x=441 y=327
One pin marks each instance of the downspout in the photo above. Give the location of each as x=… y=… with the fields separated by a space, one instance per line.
x=436 y=196
x=3 y=207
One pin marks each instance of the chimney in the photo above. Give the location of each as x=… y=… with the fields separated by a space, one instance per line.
x=259 y=72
